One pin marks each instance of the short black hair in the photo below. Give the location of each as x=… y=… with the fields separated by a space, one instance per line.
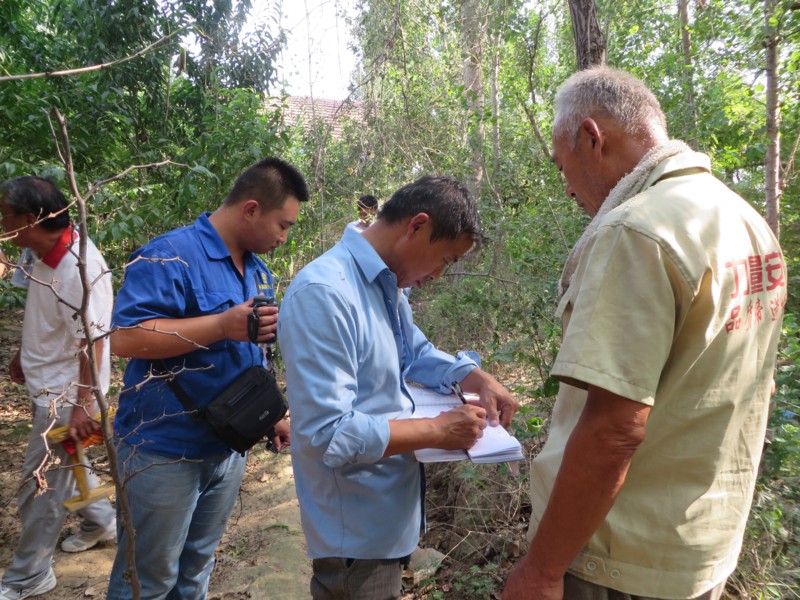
x=367 y=201
x=445 y=200
x=270 y=181
x=30 y=195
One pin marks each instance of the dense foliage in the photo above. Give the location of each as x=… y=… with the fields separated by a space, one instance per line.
x=196 y=98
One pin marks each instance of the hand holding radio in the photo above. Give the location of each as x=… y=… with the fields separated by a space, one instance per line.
x=253 y=318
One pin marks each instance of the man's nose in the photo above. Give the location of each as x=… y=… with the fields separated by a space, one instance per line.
x=434 y=275
x=570 y=191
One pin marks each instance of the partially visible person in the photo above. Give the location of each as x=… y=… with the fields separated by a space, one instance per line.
x=20 y=274
x=21 y=277
x=367 y=207
x=53 y=364
x=349 y=342
x=671 y=309
x=183 y=307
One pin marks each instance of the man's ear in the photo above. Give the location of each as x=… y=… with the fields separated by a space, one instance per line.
x=596 y=135
x=416 y=223
x=250 y=208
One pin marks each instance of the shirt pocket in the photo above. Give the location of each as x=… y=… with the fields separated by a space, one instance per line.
x=214 y=303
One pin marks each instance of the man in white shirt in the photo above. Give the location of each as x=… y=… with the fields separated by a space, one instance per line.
x=53 y=364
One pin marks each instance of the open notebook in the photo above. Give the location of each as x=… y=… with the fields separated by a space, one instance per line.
x=496 y=445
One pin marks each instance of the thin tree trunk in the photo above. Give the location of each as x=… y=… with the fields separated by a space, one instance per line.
x=590 y=44
x=773 y=154
x=532 y=48
x=99 y=395
x=474 y=32
x=688 y=70
x=496 y=103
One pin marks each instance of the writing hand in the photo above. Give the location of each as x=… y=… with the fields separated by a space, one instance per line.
x=460 y=427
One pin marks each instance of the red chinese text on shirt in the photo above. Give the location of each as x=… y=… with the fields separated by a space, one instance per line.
x=756 y=274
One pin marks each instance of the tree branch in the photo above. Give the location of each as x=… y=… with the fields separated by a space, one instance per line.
x=91 y=68
x=481 y=275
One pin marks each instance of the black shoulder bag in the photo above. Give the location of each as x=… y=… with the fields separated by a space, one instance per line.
x=249 y=408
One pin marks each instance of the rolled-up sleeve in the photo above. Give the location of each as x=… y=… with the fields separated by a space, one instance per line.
x=317 y=333
x=436 y=369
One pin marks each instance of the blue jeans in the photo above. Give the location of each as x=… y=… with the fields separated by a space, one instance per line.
x=179 y=509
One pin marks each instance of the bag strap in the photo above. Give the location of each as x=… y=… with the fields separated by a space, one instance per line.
x=179 y=392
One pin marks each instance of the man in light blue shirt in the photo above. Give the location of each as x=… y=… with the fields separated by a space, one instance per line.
x=349 y=343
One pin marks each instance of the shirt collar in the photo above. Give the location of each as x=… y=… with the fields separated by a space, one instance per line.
x=364 y=255
x=213 y=245
x=679 y=162
x=60 y=248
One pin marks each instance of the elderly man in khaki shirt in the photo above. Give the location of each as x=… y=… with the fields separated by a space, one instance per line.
x=672 y=303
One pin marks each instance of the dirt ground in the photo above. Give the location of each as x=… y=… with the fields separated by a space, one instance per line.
x=262 y=554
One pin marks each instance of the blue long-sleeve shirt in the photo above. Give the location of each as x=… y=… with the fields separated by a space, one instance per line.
x=349 y=343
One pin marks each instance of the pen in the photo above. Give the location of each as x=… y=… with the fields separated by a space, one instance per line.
x=456 y=387
x=458 y=392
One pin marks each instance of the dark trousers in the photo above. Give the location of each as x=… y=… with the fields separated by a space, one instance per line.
x=578 y=589
x=357 y=579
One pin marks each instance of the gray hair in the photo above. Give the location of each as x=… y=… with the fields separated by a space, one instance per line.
x=605 y=91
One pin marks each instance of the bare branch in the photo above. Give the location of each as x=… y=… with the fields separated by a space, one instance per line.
x=171 y=333
x=96 y=186
x=788 y=169
x=156 y=260
x=481 y=275
x=11 y=234
x=91 y=350
x=91 y=68
x=151 y=376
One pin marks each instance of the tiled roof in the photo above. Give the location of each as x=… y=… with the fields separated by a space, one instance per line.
x=305 y=111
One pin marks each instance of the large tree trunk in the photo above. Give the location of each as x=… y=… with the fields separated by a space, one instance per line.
x=772 y=159
x=474 y=34
x=688 y=74
x=590 y=44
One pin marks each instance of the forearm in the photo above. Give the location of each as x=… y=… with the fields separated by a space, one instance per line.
x=81 y=424
x=595 y=465
x=474 y=380
x=584 y=492
x=165 y=338
x=407 y=435
x=456 y=429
